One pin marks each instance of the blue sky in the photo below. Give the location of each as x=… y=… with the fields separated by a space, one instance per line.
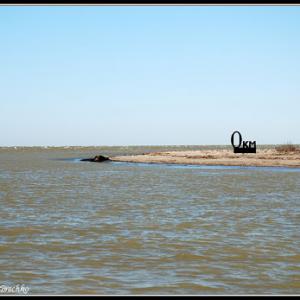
x=95 y=75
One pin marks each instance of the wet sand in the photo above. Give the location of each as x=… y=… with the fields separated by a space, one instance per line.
x=224 y=157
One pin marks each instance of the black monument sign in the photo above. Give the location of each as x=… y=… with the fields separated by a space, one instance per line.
x=243 y=146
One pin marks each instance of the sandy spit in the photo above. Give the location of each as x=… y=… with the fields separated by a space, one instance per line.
x=263 y=157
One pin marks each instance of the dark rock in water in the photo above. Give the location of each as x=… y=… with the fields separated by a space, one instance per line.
x=97 y=158
x=100 y=158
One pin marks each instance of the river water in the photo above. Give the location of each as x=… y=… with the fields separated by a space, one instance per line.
x=71 y=227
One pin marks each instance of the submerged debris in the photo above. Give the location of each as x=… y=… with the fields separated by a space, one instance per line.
x=97 y=158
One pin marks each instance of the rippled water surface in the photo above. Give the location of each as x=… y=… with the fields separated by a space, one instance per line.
x=70 y=227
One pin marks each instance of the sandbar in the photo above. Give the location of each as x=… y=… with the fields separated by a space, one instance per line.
x=223 y=157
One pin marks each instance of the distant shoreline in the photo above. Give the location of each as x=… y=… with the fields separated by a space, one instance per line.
x=223 y=157
x=203 y=146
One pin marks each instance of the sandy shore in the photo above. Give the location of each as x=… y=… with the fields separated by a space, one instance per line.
x=263 y=157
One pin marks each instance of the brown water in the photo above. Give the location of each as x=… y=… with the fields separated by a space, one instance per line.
x=70 y=227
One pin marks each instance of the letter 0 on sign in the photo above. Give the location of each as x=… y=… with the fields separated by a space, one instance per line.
x=232 y=139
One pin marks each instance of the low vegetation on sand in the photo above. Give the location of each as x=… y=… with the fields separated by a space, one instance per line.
x=287 y=148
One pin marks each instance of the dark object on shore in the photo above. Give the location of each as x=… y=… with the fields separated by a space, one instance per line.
x=97 y=158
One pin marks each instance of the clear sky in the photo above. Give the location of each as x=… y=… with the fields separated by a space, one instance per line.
x=168 y=75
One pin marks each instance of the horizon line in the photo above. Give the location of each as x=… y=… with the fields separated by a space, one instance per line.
x=132 y=145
